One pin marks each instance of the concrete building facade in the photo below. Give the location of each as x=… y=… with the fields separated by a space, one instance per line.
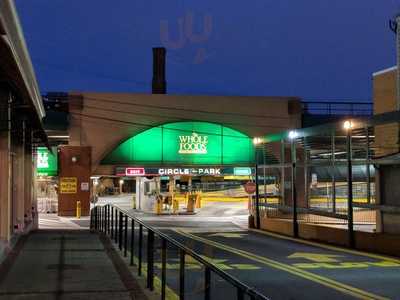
x=21 y=113
x=102 y=121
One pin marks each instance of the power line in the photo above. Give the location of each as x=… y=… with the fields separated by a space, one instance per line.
x=185 y=109
x=181 y=119
x=160 y=126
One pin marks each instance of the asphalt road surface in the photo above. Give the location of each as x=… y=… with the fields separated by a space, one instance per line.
x=278 y=267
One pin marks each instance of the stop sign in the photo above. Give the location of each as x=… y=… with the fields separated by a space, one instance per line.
x=250 y=187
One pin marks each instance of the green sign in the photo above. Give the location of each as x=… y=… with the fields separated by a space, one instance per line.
x=185 y=143
x=46 y=162
x=242 y=171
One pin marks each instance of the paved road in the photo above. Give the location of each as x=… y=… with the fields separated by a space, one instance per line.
x=280 y=268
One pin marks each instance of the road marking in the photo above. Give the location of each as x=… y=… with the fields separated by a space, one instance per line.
x=329 y=247
x=229 y=235
x=316 y=257
x=348 y=265
x=344 y=288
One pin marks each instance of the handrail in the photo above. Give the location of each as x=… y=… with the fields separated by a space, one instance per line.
x=109 y=219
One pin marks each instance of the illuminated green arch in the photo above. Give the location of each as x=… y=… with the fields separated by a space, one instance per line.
x=161 y=145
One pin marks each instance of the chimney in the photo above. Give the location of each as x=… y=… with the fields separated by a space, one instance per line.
x=159 y=85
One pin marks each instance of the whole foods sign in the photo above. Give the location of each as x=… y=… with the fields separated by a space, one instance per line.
x=46 y=161
x=184 y=144
x=193 y=144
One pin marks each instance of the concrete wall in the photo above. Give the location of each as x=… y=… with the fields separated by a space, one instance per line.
x=384 y=97
x=102 y=121
x=387 y=143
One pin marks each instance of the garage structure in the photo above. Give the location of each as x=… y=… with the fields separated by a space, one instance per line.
x=166 y=133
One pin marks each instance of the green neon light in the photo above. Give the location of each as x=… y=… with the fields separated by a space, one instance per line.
x=46 y=162
x=185 y=143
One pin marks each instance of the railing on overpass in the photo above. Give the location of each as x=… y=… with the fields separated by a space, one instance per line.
x=114 y=222
x=337 y=108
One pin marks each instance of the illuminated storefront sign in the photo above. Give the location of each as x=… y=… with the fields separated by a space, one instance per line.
x=191 y=171
x=193 y=144
x=134 y=172
x=242 y=171
x=201 y=171
x=46 y=162
x=185 y=143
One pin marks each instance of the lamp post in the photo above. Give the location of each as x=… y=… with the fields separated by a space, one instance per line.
x=292 y=136
x=256 y=142
x=348 y=125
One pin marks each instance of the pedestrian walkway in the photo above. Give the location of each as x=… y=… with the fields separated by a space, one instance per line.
x=53 y=221
x=66 y=264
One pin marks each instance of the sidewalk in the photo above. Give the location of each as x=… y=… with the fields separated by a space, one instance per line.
x=66 y=264
x=53 y=221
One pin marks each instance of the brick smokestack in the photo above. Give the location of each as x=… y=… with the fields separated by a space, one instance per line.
x=159 y=85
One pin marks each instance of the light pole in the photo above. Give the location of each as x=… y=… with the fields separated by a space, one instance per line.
x=348 y=125
x=292 y=136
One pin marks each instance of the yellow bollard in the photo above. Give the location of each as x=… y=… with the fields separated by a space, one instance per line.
x=78 y=209
x=198 y=200
x=175 y=205
x=158 y=207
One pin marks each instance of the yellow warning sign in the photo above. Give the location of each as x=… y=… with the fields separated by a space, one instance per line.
x=68 y=185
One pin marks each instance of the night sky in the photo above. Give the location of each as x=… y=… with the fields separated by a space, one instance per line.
x=318 y=50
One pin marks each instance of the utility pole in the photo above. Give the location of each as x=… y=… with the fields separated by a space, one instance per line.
x=395 y=27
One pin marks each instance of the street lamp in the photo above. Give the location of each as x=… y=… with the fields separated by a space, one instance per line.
x=257 y=140
x=293 y=134
x=348 y=125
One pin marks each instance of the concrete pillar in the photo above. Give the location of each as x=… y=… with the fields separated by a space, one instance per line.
x=19 y=177
x=28 y=165
x=5 y=166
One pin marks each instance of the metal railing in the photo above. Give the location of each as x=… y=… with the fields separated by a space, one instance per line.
x=113 y=221
x=337 y=108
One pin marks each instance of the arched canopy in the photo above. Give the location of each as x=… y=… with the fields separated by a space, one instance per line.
x=185 y=143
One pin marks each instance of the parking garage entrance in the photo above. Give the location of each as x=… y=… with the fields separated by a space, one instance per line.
x=183 y=166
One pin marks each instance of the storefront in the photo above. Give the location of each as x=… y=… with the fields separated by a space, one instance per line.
x=182 y=158
x=47 y=180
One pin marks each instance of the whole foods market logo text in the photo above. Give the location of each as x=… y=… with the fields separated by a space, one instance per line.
x=193 y=144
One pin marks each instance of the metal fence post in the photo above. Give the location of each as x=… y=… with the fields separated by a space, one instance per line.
x=140 y=249
x=112 y=222
x=116 y=226
x=108 y=220
x=95 y=218
x=120 y=231
x=132 y=240
x=239 y=294
x=126 y=237
x=163 y=267
x=150 y=259
x=182 y=275
x=294 y=193
x=350 y=190
x=207 y=283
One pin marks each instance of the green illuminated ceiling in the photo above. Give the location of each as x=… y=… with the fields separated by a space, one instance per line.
x=185 y=143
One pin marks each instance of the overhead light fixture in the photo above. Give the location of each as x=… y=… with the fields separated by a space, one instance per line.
x=257 y=140
x=347 y=125
x=293 y=134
